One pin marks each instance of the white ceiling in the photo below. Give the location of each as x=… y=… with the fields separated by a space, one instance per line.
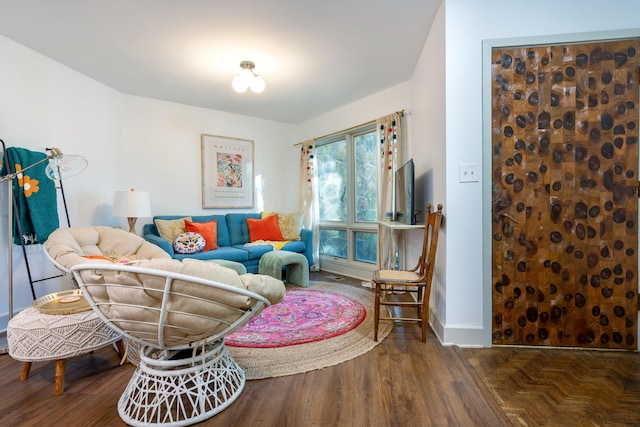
x=315 y=55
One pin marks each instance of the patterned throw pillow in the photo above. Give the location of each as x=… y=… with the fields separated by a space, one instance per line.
x=188 y=243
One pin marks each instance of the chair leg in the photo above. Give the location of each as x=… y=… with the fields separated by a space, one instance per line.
x=26 y=368
x=424 y=329
x=376 y=312
x=60 y=368
x=419 y=298
x=425 y=317
x=121 y=348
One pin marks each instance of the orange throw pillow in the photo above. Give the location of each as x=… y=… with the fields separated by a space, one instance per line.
x=100 y=257
x=264 y=229
x=208 y=230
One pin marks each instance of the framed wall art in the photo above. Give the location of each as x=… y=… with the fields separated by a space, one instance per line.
x=227 y=172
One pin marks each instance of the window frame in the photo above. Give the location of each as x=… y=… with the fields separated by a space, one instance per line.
x=350 y=266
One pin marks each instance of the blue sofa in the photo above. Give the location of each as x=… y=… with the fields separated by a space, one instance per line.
x=232 y=235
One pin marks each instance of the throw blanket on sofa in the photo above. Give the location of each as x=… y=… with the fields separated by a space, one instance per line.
x=277 y=245
x=34 y=195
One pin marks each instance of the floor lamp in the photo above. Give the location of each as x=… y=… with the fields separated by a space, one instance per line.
x=59 y=167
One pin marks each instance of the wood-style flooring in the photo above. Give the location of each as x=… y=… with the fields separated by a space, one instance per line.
x=402 y=382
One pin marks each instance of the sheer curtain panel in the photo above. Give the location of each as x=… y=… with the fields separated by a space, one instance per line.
x=309 y=198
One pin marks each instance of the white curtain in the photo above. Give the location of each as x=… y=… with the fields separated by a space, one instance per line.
x=390 y=146
x=309 y=197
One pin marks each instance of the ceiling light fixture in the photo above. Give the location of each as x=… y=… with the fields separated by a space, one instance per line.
x=248 y=79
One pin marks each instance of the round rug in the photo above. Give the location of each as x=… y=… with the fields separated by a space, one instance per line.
x=304 y=316
x=259 y=363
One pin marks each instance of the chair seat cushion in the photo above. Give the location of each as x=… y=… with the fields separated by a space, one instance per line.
x=400 y=276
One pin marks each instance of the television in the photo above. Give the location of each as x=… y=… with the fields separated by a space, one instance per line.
x=405 y=198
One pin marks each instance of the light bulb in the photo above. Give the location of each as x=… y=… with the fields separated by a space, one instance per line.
x=65 y=167
x=246 y=75
x=258 y=84
x=238 y=84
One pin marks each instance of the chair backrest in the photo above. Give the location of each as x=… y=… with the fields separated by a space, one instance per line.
x=67 y=247
x=427 y=260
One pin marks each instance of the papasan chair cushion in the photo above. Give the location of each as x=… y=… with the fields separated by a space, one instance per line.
x=67 y=247
x=135 y=298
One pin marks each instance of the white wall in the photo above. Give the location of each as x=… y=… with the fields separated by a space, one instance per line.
x=427 y=147
x=467 y=24
x=45 y=104
x=129 y=142
x=162 y=156
x=387 y=101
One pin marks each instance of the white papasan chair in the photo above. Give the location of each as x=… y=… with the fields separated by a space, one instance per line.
x=178 y=313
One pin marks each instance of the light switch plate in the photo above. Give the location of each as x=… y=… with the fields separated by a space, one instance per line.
x=469 y=172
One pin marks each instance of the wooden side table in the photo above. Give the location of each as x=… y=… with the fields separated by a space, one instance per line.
x=391 y=251
x=34 y=336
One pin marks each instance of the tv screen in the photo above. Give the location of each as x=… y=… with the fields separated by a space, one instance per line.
x=405 y=194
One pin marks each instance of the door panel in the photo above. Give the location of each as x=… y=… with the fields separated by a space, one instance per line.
x=565 y=174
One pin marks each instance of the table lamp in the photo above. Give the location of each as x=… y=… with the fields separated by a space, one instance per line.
x=133 y=205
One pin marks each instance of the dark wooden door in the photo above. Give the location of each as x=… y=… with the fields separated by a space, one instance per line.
x=565 y=203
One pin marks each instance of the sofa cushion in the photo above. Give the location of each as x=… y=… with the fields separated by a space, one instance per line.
x=223 y=252
x=255 y=252
x=208 y=230
x=264 y=229
x=238 y=229
x=171 y=228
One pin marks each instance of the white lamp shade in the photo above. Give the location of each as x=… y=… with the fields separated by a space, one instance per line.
x=132 y=204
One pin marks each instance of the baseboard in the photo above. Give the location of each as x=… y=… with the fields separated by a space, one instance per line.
x=468 y=336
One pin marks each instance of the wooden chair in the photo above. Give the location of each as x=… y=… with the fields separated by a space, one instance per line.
x=415 y=281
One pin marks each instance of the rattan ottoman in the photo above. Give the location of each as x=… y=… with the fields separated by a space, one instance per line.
x=34 y=336
x=295 y=265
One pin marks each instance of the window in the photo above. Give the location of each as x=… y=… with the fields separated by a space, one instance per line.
x=348 y=195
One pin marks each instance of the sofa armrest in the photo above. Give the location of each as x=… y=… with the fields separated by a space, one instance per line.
x=306 y=236
x=161 y=242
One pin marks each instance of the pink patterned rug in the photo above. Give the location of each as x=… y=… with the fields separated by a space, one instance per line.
x=304 y=316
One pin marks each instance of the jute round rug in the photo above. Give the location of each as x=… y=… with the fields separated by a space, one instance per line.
x=260 y=363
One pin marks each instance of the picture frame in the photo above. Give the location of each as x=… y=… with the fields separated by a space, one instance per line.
x=227 y=172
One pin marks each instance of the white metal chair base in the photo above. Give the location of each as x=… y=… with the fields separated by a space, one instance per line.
x=178 y=388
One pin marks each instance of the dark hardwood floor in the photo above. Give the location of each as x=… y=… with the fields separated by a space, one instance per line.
x=402 y=382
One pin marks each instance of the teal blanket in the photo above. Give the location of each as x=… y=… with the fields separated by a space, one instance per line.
x=35 y=196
